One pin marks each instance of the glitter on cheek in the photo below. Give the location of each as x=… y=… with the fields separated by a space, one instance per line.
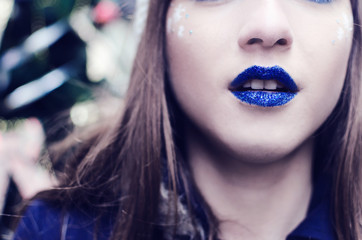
x=347 y=22
x=187 y=17
x=177 y=17
x=340 y=33
x=178 y=11
x=264 y=99
x=181 y=30
x=345 y=26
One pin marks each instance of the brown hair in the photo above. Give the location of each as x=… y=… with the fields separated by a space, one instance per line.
x=338 y=145
x=347 y=182
x=120 y=168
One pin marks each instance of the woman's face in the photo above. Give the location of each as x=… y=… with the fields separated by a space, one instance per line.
x=273 y=44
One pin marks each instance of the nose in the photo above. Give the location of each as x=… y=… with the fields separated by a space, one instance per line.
x=266 y=27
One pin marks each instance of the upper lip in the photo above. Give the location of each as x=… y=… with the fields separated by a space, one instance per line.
x=264 y=73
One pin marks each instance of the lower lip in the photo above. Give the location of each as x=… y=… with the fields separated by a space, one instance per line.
x=263 y=98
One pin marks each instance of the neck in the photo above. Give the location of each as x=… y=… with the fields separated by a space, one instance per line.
x=253 y=200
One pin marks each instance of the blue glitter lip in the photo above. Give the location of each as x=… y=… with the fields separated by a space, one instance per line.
x=264 y=98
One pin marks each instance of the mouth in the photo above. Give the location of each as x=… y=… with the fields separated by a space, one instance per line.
x=264 y=86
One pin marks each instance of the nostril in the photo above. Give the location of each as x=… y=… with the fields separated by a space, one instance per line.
x=282 y=42
x=254 y=41
x=265 y=40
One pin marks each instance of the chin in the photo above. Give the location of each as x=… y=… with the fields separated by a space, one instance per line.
x=264 y=156
x=270 y=151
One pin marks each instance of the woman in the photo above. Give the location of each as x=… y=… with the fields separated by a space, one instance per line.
x=241 y=122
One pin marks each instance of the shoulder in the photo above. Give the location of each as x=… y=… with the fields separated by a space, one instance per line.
x=43 y=220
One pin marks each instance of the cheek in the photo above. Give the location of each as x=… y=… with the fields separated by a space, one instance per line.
x=328 y=67
x=334 y=55
x=325 y=49
x=190 y=54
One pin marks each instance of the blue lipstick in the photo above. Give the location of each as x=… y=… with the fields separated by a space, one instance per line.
x=263 y=97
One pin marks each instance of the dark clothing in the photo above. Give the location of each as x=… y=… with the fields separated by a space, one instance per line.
x=318 y=224
x=44 y=222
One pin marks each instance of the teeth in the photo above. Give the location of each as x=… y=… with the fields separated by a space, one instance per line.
x=247 y=84
x=270 y=85
x=257 y=84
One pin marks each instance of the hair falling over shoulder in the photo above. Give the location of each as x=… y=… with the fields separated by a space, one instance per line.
x=119 y=166
x=342 y=154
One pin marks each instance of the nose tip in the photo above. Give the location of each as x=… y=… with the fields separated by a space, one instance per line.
x=266 y=28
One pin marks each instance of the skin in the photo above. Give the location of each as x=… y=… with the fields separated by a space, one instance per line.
x=253 y=164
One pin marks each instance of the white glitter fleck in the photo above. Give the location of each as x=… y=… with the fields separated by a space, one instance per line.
x=347 y=22
x=177 y=14
x=340 y=33
x=181 y=30
x=345 y=25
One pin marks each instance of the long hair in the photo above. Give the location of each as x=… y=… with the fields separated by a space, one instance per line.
x=339 y=142
x=120 y=169
x=347 y=140
x=118 y=166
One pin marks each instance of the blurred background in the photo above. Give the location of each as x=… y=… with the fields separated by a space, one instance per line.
x=60 y=60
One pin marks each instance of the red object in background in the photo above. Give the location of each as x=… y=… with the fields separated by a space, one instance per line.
x=106 y=11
